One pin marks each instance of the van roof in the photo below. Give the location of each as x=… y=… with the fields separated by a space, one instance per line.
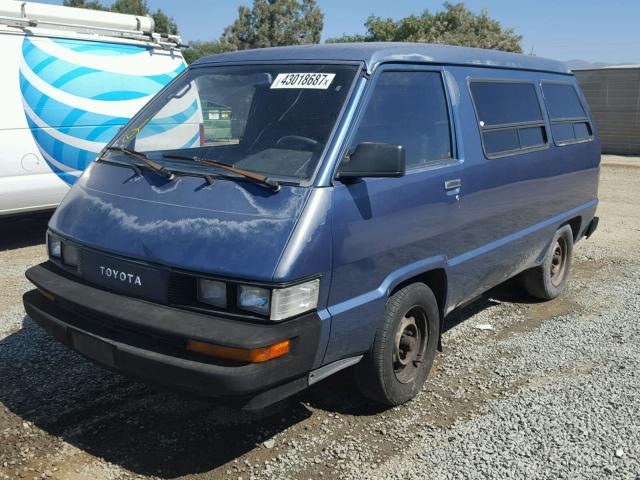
x=374 y=53
x=631 y=66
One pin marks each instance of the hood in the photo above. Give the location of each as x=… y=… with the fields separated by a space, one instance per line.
x=231 y=228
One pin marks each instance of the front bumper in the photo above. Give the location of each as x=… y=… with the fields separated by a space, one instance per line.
x=147 y=340
x=592 y=227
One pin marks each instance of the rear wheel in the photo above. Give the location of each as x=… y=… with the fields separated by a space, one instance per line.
x=549 y=280
x=398 y=363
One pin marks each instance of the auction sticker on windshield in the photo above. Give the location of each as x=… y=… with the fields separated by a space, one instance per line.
x=303 y=80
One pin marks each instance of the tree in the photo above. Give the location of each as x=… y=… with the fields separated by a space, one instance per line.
x=164 y=23
x=271 y=23
x=198 y=49
x=455 y=25
x=132 y=7
x=91 y=4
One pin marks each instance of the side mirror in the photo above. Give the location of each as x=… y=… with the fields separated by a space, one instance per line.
x=371 y=159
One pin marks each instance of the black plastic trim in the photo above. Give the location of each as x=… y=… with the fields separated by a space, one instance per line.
x=147 y=340
x=179 y=277
x=593 y=226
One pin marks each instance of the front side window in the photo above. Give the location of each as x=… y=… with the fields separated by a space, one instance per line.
x=408 y=108
x=270 y=119
x=509 y=117
x=569 y=121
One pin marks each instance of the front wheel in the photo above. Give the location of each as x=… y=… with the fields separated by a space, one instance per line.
x=395 y=368
x=549 y=280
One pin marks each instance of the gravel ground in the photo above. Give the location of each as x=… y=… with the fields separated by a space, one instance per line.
x=551 y=391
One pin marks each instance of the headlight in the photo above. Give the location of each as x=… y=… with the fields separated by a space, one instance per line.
x=279 y=303
x=254 y=299
x=212 y=292
x=70 y=255
x=54 y=245
x=290 y=301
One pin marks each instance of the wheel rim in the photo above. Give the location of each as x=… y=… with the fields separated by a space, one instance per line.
x=558 y=261
x=410 y=343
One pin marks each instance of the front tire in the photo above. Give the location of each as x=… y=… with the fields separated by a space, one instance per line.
x=394 y=370
x=549 y=280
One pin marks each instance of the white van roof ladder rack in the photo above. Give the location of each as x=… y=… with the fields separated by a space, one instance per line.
x=83 y=21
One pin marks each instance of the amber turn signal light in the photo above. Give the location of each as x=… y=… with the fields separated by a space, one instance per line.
x=253 y=355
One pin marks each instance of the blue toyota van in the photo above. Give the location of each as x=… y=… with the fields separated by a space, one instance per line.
x=274 y=216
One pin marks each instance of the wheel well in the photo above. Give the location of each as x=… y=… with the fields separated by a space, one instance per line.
x=575 y=223
x=436 y=280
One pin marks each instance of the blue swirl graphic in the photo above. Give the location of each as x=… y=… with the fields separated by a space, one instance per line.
x=69 y=136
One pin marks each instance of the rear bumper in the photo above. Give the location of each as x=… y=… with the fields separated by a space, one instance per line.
x=147 y=340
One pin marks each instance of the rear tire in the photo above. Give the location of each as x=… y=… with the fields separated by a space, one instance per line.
x=549 y=280
x=394 y=370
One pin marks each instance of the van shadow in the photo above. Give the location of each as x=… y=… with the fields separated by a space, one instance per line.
x=508 y=292
x=23 y=231
x=142 y=429
x=149 y=431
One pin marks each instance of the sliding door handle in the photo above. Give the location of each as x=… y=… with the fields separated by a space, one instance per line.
x=452 y=184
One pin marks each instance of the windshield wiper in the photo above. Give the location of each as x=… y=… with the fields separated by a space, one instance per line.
x=153 y=166
x=256 y=177
x=208 y=178
x=132 y=166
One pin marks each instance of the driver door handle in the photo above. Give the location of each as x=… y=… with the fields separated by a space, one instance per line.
x=452 y=184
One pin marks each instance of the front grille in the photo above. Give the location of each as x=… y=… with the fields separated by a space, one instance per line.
x=182 y=289
x=178 y=289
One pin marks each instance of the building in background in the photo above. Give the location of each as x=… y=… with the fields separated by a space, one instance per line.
x=613 y=93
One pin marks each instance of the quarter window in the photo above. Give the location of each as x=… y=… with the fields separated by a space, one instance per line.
x=509 y=117
x=569 y=121
x=409 y=108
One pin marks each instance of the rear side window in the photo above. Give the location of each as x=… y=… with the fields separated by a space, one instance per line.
x=409 y=108
x=569 y=121
x=509 y=117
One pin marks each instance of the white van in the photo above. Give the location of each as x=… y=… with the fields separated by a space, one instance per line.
x=70 y=78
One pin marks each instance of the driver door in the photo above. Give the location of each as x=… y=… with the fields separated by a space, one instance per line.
x=383 y=225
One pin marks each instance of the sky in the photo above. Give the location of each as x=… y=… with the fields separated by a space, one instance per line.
x=592 y=30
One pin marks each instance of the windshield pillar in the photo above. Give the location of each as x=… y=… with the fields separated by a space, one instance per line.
x=335 y=152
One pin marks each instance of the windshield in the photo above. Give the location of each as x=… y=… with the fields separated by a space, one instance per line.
x=270 y=119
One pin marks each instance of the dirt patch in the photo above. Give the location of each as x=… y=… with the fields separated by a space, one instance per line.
x=64 y=418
